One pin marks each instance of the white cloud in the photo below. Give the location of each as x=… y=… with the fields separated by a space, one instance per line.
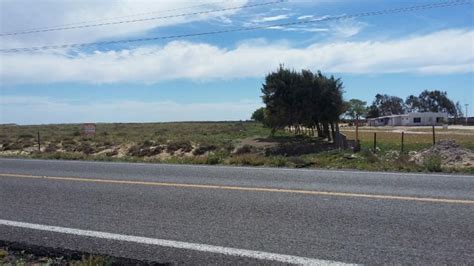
x=305 y=17
x=346 y=28
x=46 y=110
x=450 y=51
x=272 y=18
x=28 y=14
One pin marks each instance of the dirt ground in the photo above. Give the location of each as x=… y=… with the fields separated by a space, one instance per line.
x=451 y=154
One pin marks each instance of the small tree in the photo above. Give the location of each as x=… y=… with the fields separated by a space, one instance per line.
x=356 y=108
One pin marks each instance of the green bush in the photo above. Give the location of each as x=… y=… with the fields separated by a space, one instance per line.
x=214 y=159
x=369 y=156
x=247 y=159
x=278 y=161
x=432 y=163
x=26 y=136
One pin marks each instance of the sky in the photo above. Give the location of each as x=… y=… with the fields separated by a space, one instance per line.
x=219 y=77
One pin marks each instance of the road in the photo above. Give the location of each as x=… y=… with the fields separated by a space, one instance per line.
x=213 y=214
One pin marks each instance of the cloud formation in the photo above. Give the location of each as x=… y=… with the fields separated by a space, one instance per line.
x=442 y=52
x=24 y=15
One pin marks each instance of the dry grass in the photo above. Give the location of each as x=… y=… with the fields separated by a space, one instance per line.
x=235 y=143
x=389 y=140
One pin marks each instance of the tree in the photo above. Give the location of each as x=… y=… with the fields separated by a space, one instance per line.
x=302 y=99
x=459 y=111
x=384 y=105
x=278 y=96
x=432 y=101
x=259 y=115
x=412 y=104
x=356 y=108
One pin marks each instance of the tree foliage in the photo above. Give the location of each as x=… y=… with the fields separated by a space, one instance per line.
x=302 y=99
x=259 y=115
x=356 y=108
x=384 y=105
x=432 y=101
x=427 y=101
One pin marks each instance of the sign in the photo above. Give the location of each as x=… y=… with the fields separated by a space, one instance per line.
x=89 y=129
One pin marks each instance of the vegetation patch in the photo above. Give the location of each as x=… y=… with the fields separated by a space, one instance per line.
x=235 y=143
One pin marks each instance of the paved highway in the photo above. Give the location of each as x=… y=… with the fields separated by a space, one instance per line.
x=206 y=214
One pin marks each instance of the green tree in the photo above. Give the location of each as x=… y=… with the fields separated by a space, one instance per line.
x=432 y=101
x=356 y=108
x=384 y=105
x=302 y=99
x=259 y=115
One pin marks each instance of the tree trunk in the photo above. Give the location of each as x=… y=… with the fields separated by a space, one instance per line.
x=333 y=133
x=318 y=129
x=326 y=131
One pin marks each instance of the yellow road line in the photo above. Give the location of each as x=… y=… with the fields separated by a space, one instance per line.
x=252 y=189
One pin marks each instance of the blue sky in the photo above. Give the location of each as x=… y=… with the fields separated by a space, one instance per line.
x=218 y=77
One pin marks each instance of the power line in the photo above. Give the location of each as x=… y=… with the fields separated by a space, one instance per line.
x=140 y=20
x=358 y=15
x=120 y=17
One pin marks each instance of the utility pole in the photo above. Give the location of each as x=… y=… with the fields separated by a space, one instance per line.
x=466 y=113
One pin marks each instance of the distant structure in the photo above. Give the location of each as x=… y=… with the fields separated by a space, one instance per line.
x=410 y=119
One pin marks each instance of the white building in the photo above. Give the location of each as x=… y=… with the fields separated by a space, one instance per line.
x=410 y=119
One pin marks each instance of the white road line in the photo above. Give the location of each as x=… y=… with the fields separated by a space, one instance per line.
x=260 y=255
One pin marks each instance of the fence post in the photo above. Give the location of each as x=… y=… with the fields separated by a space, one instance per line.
x=375 y=142
x=434 y=136
x=403 y=136
x=39 y=142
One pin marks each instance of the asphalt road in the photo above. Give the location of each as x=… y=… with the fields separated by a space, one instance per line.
x=206 y=214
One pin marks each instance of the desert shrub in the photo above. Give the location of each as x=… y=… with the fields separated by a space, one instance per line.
x=369 y=156
x=11 y=146
x=147 y=143
x=76 y=133
x=203 y=149
x=278 y=161
x=247 y=159
x=111 y=153
x=184 y=146
x=26 y=136
x=5 y=146
x=51 y=148
x=299 y=162
x=68 y=142
x=69 y=145
x=107 y=143
x=244 y=149
x=142 y=151
x=25 y=143
x=228 y=147
x=293 y=149
x=432 y=163
x=214 y=158
x=85 y=148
